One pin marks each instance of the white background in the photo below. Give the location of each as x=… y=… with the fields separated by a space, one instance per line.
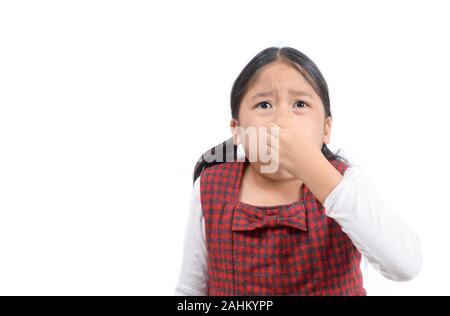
x=105 y=106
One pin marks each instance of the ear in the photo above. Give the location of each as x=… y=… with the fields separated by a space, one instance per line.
x=327 y=130
x=234 y=127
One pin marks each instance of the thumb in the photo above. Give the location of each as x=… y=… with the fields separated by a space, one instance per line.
x=273 y=128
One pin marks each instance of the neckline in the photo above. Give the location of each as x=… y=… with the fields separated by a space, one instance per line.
x=240 y=172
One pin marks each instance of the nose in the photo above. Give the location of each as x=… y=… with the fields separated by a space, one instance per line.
x=283 y=116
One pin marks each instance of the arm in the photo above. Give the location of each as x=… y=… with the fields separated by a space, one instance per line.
x=389 y=244
x=193 y=275
x=319 y=175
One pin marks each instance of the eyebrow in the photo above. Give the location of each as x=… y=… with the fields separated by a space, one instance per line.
x=291 y=92
x=295 y=92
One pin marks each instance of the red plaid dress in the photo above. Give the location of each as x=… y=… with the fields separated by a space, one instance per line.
x=292 y=249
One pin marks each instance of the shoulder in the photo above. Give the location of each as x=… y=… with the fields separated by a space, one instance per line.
x=220 y=171
x=196 y=188
x=340 y=165
x=219 y=181
x=216 y=167
x=354 y=177
x=350 y=170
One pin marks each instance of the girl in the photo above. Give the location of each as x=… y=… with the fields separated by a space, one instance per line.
x=300 y=230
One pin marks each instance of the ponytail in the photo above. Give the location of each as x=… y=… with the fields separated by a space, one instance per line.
x=223 y=152
x=227 y=152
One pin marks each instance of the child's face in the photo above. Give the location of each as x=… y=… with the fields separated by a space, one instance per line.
x=283 y=107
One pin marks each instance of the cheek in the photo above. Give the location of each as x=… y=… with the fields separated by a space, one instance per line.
x=312 y=128
x=248 y=116
x=255 y=120
x=250 y=128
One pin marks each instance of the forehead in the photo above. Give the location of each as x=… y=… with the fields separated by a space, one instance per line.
x=280 y=76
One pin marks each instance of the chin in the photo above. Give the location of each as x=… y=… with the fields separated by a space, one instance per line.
x=280 y=174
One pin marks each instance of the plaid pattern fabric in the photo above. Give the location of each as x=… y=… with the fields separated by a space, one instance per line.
x=292 y=249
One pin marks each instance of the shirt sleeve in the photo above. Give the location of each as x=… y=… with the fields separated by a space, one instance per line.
x=388 y=243
x=193 y=275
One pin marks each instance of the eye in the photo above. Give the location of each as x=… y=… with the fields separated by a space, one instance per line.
x=301 y=104
x=264 y=105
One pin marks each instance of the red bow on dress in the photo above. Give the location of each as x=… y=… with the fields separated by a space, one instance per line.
x=248 y=217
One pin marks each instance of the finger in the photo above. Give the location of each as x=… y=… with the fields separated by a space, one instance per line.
x=272 y=124
x=264 y=139
x=267 y=142
x=272 y=141
x=273 y=129
x=278 y=125
x=273 y=146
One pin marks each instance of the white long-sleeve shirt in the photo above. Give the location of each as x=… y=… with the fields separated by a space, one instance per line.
x=381 y=236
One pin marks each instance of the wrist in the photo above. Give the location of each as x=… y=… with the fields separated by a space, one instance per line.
x=321 y=177
x=306 y=168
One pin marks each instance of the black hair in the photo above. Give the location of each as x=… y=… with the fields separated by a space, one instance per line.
x=227 y=151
